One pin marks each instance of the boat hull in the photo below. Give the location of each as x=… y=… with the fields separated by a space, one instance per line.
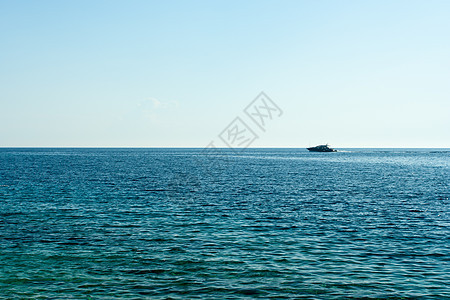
x=319 y=150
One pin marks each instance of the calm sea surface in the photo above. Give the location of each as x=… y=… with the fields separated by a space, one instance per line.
x=264 y=223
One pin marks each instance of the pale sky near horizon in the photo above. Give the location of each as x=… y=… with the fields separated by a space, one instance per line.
x=176 y=73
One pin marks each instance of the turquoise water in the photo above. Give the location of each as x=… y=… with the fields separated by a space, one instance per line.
x=263 y=223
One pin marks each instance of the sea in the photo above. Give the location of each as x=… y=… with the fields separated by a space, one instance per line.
x=172 y=223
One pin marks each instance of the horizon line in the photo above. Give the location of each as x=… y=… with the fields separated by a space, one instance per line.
x=185 y=147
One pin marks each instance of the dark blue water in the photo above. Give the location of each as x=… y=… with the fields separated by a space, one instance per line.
x=265 y=223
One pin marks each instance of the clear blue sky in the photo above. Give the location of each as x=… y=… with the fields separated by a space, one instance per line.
x=176 y=73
